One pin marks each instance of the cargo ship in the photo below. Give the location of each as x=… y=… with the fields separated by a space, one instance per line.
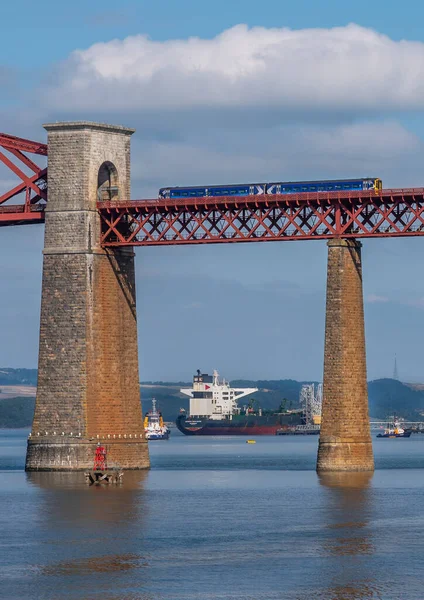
x=214 y=410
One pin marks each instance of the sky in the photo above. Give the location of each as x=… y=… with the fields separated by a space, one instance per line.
x=229 y=92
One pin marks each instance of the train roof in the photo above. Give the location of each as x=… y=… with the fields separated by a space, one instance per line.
x=194 y=187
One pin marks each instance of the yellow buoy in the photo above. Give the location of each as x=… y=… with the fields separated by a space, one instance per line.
x=250 y=441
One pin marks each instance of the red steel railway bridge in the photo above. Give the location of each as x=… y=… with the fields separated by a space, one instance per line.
x=88 y=298
x=306 y=216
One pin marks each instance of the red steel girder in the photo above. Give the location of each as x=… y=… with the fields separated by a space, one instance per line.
x=10 y=142
x=323 y=215
x=17 y=215
x=32 y=186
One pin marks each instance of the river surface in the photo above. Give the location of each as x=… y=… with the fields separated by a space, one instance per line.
x=216 y=519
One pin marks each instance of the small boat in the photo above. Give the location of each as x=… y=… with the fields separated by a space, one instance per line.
x=394 y=430
x=154 y=426
x=250 y=441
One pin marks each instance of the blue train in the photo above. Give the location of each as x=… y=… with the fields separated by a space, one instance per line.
x=286 y=187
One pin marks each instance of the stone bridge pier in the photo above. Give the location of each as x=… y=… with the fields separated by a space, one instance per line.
x=88 y=389
x=345 y=440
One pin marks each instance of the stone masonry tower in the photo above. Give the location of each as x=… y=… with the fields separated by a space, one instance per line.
x=88 y=389
x=345 y=440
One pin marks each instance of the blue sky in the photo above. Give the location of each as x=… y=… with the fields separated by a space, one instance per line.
x=322 y=99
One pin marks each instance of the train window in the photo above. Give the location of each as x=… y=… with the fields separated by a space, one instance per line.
x=312 y=188
x=321 y=188
x=337 y=186
x=330 y=187
x=304 y=188
x=347 y=186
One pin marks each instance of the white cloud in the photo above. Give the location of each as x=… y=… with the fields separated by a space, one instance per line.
x=415 y=302
x=252 y=104
x=373 y=298
x=350 y=68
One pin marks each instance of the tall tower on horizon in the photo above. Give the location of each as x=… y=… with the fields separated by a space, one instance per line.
x=395 y=370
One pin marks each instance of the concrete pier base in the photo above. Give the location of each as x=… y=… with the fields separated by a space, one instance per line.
x=345 y=439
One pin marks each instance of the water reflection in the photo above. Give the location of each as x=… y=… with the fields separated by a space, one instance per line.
x=348 y=538
x=92 y=535
x=349 y=513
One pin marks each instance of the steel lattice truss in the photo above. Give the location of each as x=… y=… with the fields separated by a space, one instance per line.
x=32 y=187
x=325 y=215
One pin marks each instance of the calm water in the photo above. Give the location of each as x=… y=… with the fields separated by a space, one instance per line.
x=216 y=518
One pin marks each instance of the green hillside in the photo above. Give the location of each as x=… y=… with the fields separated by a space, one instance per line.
x=16 y=412
x=386 y=396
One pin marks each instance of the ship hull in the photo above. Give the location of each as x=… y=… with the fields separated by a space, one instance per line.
x=157 y=436
x=246 y=425
x=407 y=434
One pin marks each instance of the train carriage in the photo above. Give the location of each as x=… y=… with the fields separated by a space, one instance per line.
x=283 y=187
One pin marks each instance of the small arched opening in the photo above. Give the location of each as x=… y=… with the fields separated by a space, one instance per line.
x=107 y=182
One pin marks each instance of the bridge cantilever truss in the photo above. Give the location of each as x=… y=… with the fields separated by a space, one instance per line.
x=324 y=215
x=306 y=216
x=32 y=187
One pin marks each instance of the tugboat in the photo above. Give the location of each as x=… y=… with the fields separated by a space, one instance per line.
x=154 y=426
x=394 y=430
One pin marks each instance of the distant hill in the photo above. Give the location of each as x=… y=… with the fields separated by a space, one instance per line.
x=18 y=376
x=16 y=412
x=386 y=396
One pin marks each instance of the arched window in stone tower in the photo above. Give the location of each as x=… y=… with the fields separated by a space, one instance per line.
x=107 y=182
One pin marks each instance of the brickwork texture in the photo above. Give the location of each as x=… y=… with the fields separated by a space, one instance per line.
x=88 y=387
x=345 y=439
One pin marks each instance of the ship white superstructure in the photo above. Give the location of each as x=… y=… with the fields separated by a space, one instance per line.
x=212 y=398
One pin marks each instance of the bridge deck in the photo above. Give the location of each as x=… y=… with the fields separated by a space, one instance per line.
x=323 y=215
